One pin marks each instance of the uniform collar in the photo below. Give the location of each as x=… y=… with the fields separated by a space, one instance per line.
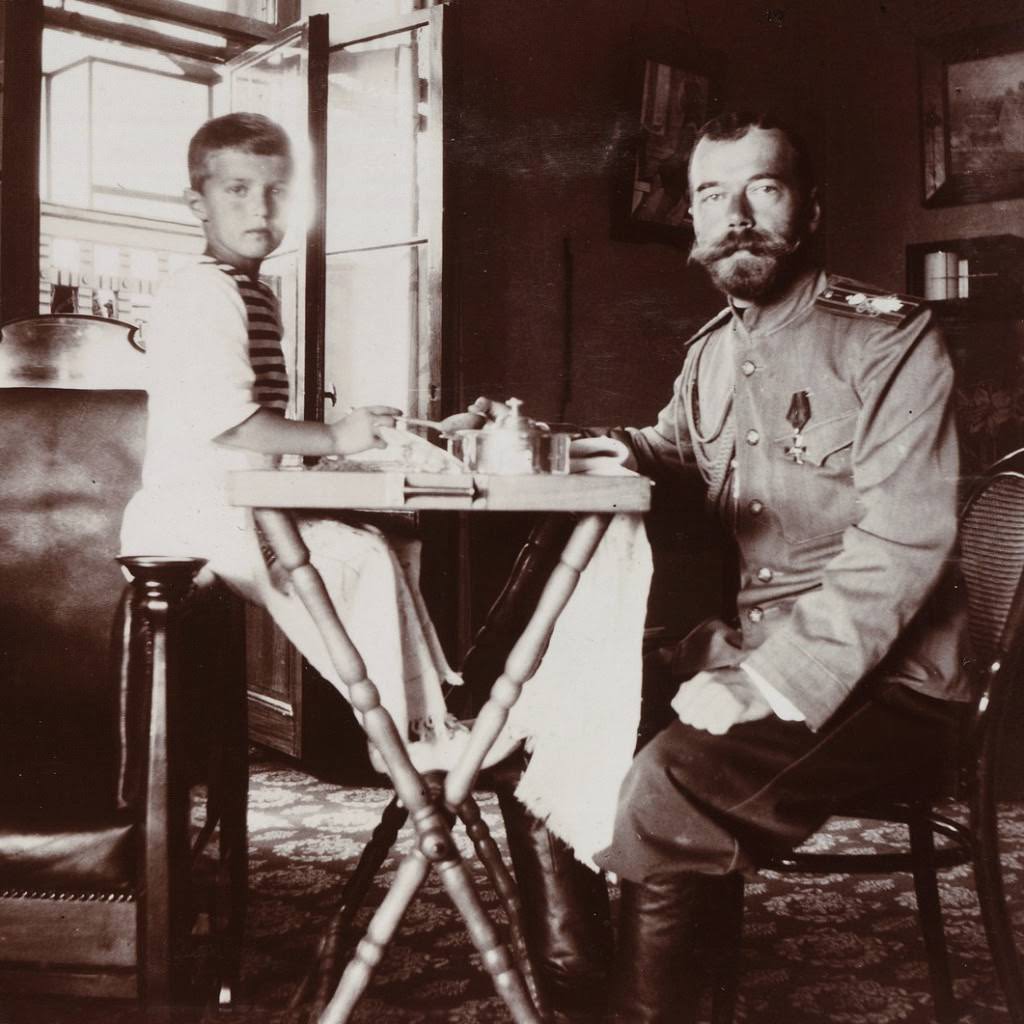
x=794 y=302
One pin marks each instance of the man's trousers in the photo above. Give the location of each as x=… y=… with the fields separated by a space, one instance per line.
x=696 y=802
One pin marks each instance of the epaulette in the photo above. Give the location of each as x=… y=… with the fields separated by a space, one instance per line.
x=844 y=297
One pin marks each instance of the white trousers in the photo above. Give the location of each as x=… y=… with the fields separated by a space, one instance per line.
x=373 y=582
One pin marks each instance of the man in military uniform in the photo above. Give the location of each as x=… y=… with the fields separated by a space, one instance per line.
x=818 y=413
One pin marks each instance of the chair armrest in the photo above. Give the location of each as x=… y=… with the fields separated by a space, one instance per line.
x=204 y=666
x=159 y=577
x=149 y=673
x=158 y=588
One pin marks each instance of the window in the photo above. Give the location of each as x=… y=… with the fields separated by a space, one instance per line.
x=210 y=14
x=383 y=217
x=90 y=74
x=104 y=147
x=114 y=130
x=261 y=10
x=105 y=23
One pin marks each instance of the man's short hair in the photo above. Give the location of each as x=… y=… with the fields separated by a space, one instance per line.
x=734 y=124
x=250 y=133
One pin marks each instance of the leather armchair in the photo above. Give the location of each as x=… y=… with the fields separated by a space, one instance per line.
x=120 y=704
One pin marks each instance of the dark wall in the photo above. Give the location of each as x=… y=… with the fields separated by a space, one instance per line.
x=873 y=143
x=544 y=107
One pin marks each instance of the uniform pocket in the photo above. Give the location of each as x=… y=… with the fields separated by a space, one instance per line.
x=816 y=497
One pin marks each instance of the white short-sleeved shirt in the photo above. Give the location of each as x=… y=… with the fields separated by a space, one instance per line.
x=201 y=383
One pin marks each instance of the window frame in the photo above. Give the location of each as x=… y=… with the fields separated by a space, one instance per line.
x=22 y=25
x=47 y=194
x=426 y=388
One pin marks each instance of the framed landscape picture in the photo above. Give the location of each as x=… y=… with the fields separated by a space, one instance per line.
x=972 y=115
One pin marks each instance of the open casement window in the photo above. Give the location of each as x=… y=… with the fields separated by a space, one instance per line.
x=97 y=96
x=284 y=78
x=359 y=275
x=383 y=211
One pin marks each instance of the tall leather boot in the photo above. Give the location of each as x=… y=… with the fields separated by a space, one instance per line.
x=657 y=974
x=565 y=913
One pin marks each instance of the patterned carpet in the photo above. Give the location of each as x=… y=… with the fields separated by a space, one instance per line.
x=837 y=949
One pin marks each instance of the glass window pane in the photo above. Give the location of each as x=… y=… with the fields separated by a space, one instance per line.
x=144 y=154
x=68 y=137
x=97 y=152
x=106 y=260
x=66 y=255
x=275 y=83
x=115 y=201
x=260 y=10
x=168 y=28
x=372 y=326
x=63 y=48
x=373 y=135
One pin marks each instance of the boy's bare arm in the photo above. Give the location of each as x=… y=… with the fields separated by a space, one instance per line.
x=269 y=432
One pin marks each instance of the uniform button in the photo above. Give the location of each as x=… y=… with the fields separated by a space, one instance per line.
x=765 y=574
x=756 y=507
x=753 y=437
x=733 y=463
x=748 y=367
x=755 y=614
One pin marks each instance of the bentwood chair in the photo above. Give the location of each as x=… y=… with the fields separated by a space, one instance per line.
x=992 y=562
x=118 y=704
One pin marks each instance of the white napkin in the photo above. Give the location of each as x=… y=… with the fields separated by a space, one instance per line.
x=581 y=710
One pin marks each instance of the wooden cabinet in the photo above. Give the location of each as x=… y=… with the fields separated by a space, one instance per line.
x=294 y=711
x=274 y=685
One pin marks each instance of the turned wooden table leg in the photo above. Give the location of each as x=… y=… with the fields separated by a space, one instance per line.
x=293 y=555
x=435 y=843
x=526 y=655
x=411 y=874
x=490 y=856
x=312 y=996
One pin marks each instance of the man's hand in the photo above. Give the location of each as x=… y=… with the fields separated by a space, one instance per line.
x=593 y=454
x=358 y=430
x=716 y=701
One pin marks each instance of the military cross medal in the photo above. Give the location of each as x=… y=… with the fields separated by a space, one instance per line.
x=798 y=415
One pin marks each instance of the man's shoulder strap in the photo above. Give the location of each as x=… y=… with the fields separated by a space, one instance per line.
x=716 y=321
x=845 y=297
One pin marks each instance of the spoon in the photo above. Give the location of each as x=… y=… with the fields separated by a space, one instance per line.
x=459 y=421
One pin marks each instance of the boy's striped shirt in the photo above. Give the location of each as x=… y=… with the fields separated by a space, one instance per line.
x=265 y=334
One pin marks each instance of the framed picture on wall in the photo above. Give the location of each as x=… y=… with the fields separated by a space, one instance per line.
x=972 y=115
x=672 y=92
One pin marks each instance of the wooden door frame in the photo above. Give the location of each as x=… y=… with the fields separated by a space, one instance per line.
x=19 y=185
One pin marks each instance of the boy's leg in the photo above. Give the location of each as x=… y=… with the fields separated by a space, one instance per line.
x=369 y=588
x=368 y=591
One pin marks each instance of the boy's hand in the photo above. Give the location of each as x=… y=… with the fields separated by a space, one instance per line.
x=359 y=429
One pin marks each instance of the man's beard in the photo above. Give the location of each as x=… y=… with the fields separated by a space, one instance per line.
x=768 y=263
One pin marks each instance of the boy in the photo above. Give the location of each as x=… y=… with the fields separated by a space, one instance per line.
x=217 y=394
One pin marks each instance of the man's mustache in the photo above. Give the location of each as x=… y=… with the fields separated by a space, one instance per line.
x=757 y=243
